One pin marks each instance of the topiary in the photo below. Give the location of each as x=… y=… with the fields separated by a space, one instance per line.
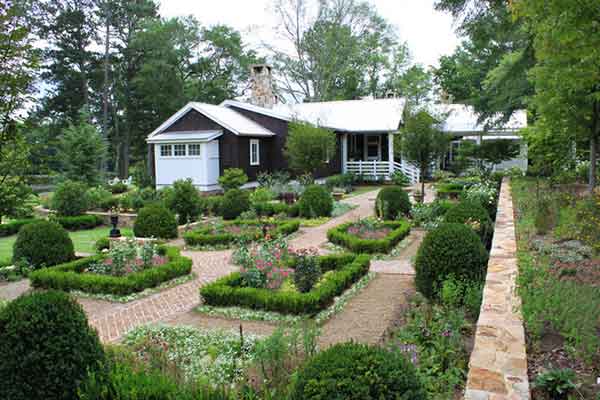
x=47 y=347
x=185 y=201
x=450 y=250
x=234 y=203
x=392 y=202
x=43 y=244
x=315 y=202
x=474 y=215
x=102 y=244
x=232 y=178
x=156 y=221
x=70 y=198
x=358 y=371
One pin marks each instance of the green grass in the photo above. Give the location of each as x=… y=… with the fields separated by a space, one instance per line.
x=83 y=241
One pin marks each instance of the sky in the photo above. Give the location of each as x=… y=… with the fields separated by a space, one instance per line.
x=429 y=33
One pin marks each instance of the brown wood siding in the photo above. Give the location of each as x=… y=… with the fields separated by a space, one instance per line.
x=193 y=121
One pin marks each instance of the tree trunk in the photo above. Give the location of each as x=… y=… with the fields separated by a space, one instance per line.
x=423 y=171
x=105 y=93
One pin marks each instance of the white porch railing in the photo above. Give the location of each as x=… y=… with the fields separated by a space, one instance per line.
x=381 y=169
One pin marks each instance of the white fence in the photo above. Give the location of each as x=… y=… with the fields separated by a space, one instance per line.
x=381 y=169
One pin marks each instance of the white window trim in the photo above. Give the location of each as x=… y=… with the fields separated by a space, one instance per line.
x=257 y=143
x=194 y=155
x=184 y=150
x=170 y=150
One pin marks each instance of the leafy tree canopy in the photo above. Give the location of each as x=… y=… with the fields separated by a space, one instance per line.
x=309 y=147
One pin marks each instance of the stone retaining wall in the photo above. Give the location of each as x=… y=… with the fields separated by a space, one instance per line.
x=125 y=219
x=498 y=365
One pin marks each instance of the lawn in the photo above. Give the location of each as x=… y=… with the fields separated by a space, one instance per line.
x=82 y=240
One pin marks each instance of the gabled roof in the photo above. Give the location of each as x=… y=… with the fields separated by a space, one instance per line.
x=463 y=119
x=185 y=136
x=225 y=117
x=369 y=115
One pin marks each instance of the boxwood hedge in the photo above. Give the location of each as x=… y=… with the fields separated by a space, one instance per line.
x=204 y=236
x=340 y=236
x=80 y=222
x=70 y=276
x=12 y=228
x=346 y=270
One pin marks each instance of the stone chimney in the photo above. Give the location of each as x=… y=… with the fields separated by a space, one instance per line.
x=261 y=86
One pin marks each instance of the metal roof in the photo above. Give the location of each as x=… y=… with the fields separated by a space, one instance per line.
x=463 y=119
x=186 y=136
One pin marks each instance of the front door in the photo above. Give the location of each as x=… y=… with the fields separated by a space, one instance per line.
x=373 y=148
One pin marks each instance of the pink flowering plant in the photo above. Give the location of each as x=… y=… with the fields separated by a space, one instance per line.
x=307 y=270
x=127 y=257
x=264 y=264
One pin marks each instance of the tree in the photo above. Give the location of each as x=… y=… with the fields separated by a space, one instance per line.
x=309 y=147
x=422 y=141
x=567 y=83
x=82 y=151
x=14 y=165
x=415 y=84
x=489 y=152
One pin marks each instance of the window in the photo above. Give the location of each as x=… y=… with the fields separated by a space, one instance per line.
x=166 y=150
x=194 y=150
x=179 y=150
x=254 y=152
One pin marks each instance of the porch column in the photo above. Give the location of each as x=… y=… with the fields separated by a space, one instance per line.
x=344 y=153
x=391 y=152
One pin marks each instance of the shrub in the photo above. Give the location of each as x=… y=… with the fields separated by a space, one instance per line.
x=392 y=202
x=43 y=244
x=449 y=250
x=473 y=215
x=210 y=205
x=71 y=276
x=557 y=383
x=110 y=203
x=339 y=235
x=79 y=222
x=587 y=215
x=261 y=195
x=70 y=198
x=400 y=179
x=430 y=215
x=234 y=203
x=185 y=201
x=205 y=236
x=315 y=202
x=102 y=244
x=449 y=190
x=358 y=371
x=232 y=178
x=307 y=271
x=343 y=181
x=97 y=197
x=118 y=187
x=47 y=347
x=13 y=227
x=155 y=221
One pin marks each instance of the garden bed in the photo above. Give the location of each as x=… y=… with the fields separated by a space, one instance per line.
x=227 y=233
x=79 y=275
x=340 y=271
x=369 y=236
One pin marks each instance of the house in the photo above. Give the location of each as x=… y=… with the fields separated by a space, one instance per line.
x=201 y=140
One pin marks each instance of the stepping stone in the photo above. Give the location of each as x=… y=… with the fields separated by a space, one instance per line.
x=399 y=267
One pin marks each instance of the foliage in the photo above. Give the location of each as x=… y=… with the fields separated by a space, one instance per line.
x=70 y=198
x=430 y=215
x=449 y=250
x=489 y=152
x=126 y=257
x=270 y=179
x=215 y=234
x=308 y=147
x=315 y=202
x=79 y=222
x=556 y=383
x=351 y=370
x=72 y=276
x=43 y=244
x=391 y=203
x=82 y=151
x=185 y=201
x=261 y=195
x=587 y=218
x=117 y=187
x=52 y=330
x=232 y=178
x=341 y=181
x=102 y=244
x=422 y=141
x=473 y=215
x=400 y=179
x=437 y=332
x=13 y=227
x=307 y=271
x=484 y=193
x=457 y=294
x=346 y=270
x=263 y=265
x=98 y=197
x=14 y=165
x=234 y=203
x=155 y=221
x=339 y=235
x=545 y=217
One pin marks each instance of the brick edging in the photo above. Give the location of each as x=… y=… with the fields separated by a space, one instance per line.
x=498 y=364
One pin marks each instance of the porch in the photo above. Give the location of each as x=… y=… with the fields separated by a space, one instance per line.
x=372 y=155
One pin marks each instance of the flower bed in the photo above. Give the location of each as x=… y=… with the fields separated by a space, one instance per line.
x=118 y=277
x=344 y=270
x=368 y=236
x=226 y=233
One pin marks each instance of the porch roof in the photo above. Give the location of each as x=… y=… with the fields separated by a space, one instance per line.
x=185 y=136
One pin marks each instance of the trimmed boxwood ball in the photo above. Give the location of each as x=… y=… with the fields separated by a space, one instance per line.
x=474 y=215
x=315 y=202
x=155 y=221
x=392 y=202
x=47 y=347
x=358 y=371
x=449 y=250
x=43 y=244
x=234 y=203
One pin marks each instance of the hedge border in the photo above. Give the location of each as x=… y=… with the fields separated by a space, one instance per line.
x=347 y=269
x=340 y=236
x=79 y=222
x=203 y=236
x=68 y=276
x=12 y=228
